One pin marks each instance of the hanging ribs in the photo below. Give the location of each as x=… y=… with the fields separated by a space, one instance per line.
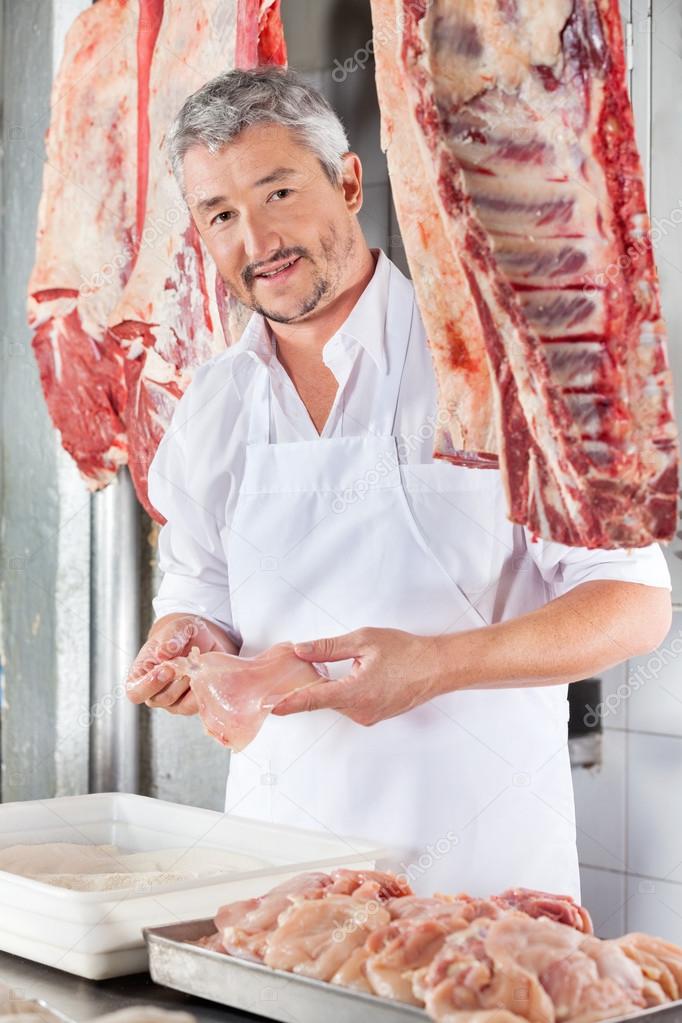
x=520 y=197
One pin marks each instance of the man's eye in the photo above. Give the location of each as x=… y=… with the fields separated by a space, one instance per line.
x=281 y=191
x=217 y=220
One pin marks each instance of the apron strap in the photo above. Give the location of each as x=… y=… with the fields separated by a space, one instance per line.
x=399 y=329
x=259 y=411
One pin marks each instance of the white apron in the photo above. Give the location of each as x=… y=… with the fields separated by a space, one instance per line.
x=474 y=788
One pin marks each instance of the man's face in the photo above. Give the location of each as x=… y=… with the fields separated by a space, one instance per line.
x=264 y=200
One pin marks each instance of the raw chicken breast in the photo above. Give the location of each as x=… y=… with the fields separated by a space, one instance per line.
x=399 y=949
x=316 y=937
x=232 y=710
x=244 y=926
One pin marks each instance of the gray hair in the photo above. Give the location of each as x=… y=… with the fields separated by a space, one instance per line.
x=224 y=106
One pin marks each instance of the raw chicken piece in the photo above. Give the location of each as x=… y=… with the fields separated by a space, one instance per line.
x=660 y=962
x=213 y=942
x=584 y=985
x=352 y=973
x=244 y=926
x=455 y=912
x=316 y=937
x=463 y=976
x=368 y=884
x=231 y=710
x=396 y=951
x=561 y=908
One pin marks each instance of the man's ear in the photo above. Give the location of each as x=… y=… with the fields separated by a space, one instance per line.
x=352 y=182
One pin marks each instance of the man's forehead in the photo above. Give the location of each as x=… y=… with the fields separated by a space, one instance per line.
x=204 y=202
x=251 y=162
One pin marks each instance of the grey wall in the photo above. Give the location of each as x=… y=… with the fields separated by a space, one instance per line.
x=30 y=499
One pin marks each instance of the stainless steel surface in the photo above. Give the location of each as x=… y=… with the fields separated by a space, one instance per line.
x=255 y=988
x=81 y=1000
x=29 y=498
x=115 y=638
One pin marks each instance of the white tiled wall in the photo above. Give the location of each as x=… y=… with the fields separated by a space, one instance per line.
x=629 y=811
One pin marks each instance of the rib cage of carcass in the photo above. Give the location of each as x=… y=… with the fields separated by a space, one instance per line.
x=123 y=299
x=520 y=198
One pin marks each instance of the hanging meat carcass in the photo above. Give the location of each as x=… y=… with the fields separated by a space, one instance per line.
x=520 y=197
x=123 y=299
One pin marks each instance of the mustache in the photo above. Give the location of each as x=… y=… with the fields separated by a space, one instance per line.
x=281 y=256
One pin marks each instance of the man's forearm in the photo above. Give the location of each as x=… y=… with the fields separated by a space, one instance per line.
x=591 y=628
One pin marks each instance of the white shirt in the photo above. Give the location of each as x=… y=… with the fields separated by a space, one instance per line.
x=195 y=476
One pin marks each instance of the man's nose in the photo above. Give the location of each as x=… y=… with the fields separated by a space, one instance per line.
x=259 y=239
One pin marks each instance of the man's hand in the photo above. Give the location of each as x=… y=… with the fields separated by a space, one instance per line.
x=393 y=672
x=591 y=628
x=152 y=678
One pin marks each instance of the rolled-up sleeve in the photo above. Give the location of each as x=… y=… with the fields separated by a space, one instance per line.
x=563 y=567
x=190 y=550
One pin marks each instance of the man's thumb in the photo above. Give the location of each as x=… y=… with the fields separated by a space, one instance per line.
x=336 y=648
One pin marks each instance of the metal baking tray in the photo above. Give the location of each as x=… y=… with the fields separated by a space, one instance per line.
x=279 y=995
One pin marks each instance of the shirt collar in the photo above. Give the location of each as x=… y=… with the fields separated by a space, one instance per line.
x=366 y=324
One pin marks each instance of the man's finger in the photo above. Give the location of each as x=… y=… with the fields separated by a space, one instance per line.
x=141 y=689
x=336 y=648
x=170 y=694
x=316 y=697
x=186 y=705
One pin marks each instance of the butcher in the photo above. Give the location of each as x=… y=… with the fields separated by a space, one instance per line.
x=303 y=506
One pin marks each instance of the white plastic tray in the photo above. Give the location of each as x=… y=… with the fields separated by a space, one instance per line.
x=99 y=934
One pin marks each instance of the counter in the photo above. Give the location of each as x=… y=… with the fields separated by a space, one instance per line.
x=82 y=1000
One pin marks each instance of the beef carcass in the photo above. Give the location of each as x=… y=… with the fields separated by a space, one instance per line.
x=85 y=246
x=232 y=707
x=123 y=300
x=511 y=152
x=175 y=312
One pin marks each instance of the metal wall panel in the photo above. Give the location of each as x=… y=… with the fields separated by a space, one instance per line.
x=29 y=495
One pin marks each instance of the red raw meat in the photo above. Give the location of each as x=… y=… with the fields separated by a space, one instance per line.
x=86 y=237
x=520 y=196
x=117 y=349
